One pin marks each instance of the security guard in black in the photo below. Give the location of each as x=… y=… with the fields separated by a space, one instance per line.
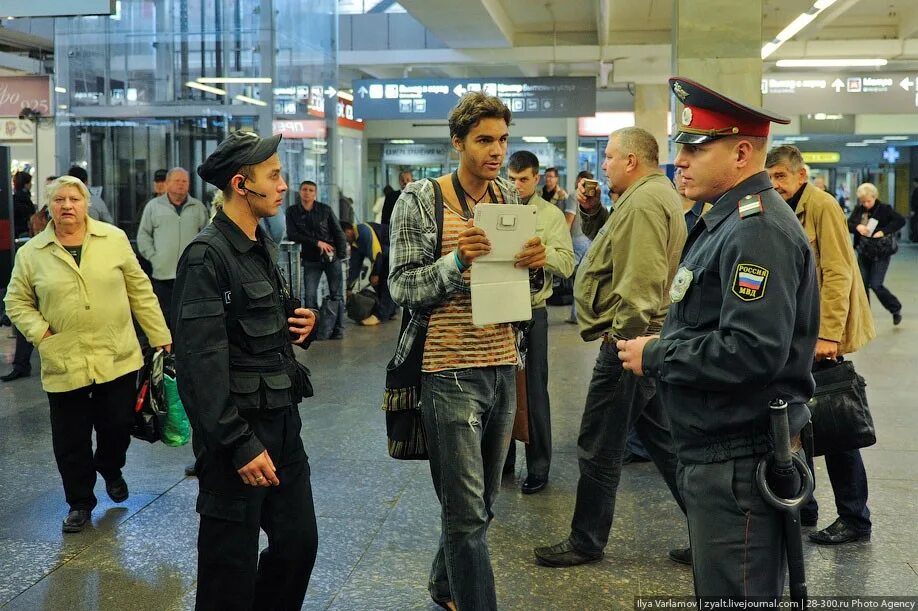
x=240 y=384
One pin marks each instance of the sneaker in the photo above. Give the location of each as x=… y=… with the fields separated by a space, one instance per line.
x=370 y=321
x=76 y=520
x=117 y=490
x=564 y=554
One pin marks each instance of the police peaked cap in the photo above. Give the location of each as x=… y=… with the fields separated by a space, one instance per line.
x=239 y=149
x=709 y=115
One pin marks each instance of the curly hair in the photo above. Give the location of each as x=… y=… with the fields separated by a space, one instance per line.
x=472 y=108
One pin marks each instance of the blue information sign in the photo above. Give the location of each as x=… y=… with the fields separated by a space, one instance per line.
x=433 y=98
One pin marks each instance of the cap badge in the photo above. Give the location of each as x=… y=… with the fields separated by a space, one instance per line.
x=686 y=116
x=680 y=92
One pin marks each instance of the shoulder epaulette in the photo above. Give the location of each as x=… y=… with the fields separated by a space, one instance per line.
x=751 y=205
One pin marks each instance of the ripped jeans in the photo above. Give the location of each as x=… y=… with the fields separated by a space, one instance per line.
x=468 y=416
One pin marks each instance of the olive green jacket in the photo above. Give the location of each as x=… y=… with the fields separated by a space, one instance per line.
x=622 y=286
x=844 y=312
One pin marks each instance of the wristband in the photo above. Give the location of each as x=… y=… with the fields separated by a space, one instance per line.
x=459 y=264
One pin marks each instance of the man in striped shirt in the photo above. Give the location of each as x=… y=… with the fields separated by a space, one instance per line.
x=468 y=387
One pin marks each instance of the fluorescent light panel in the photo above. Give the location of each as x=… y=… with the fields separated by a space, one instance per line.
x=234 y=79
x=207 y=88
x=873 y=141
x=248 y=100
x=857 y=144
x=830 y=63
x=794 y=27
x=401 y=141
x=895 y=138
x=60 y=89
x=535 y=139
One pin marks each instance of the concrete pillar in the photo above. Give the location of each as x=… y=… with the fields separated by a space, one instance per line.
x=573 y=155
x=651 y=105
x=719 y=44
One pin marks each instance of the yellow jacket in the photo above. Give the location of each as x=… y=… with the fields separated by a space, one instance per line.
x=87 y=308
x=844 y=312
x=551 y=227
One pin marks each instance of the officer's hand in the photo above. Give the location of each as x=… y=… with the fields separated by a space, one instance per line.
x=587 y=203
x=532 y=255
x=260 y=471
x=826 y=349
x=473 y=243
x=631 y=353
x=302 y=323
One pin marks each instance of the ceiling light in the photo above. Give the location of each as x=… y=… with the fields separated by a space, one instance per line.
x=797 y=138
x=346 y=96
x=823 y=4
x=803 y=20
x=234 y=79
x=248 y=100
x=856 y=144
x=873 y=141
x=535 y=139
x=401 y=141
x=895 y=137
x=60 y=89
x=207 y=88
x=830 y=63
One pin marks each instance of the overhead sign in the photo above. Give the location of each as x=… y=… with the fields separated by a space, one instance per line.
x=851 y=93
x=434 y=98
x=295 y=129
x=55 y=8
x=416 y=154
x=821 y=157
x=21 y=92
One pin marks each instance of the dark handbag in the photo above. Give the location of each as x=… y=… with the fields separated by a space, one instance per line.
x=150 y=408
x=878 y=248
x=840 y=416
x=401 y=399
x=360 y=305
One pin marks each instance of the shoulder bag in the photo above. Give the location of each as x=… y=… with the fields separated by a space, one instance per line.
x=840 y=416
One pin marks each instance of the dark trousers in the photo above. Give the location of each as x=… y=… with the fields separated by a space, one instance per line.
x=874 y=274
x=538 y=450
x=737 y=539
x=163 y=291
x=232 y=575
x=849 y=485
x=109 y=409
x=331 y=315
x=22 y=358
x=616 y=400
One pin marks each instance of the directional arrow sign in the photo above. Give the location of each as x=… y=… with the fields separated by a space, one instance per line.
x=906 y=83
x=459 y=90
x=838 y=85
x=330 y=92
x=362 y=92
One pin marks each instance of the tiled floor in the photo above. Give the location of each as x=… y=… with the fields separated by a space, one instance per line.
x=378 y=518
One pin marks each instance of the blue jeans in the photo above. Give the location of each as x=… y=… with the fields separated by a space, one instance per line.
x=616 y=400
x=312 y=273
x=849 y=486
x=468 y=415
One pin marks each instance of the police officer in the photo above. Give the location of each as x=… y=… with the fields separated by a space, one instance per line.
x=240 y=383
x=741 y=332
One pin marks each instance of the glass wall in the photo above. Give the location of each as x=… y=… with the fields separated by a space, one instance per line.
x=160 y=83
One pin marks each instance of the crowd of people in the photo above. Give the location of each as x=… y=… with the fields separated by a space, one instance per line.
x=710 y=295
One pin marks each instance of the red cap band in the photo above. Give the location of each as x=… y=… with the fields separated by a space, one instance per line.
x=706 y=119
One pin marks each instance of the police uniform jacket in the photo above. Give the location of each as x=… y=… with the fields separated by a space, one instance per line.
x=742 y=328
x=233 y=352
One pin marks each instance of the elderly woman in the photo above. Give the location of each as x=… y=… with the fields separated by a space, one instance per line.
x=73 y=289
x=888 y=222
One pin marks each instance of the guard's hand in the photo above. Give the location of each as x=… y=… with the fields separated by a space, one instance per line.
x=473 y=243
x=862 y=229
x=532 y=255
x=587 y=203
x=878 y=234
x=631 y=353
x=167 y=348
x=326 y=247
x=302 y=323
x=826 y=349
x=260 y=471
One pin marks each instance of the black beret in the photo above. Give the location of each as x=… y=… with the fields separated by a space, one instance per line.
x=239 y=149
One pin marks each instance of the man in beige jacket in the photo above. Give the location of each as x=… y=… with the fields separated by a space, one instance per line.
x=622 y=293
x=845 y=325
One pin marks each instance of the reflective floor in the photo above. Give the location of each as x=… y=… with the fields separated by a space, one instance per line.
x=378 y=518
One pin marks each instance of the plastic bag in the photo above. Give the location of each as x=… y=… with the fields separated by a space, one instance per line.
x=176 y=428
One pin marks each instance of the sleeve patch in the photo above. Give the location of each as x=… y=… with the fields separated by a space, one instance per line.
x=749 y=281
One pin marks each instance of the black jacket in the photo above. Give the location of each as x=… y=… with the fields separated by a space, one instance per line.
x=23 y=209
x=309 y=228
x=741 y=330
x=389 y=206
x=232 y=348
x=889 y=221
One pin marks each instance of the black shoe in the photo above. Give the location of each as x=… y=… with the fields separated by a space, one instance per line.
x=337 y=335
x=572 y=321
x=563 y=554
x=191 y=470
x=117 y=490
x=76 y=520
x=630 y=457
x=15 y=375
x=809 y=521
x=5 y=321
x=682 y=556
x=533 y=484
x=838 y=533
x=897 y=318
